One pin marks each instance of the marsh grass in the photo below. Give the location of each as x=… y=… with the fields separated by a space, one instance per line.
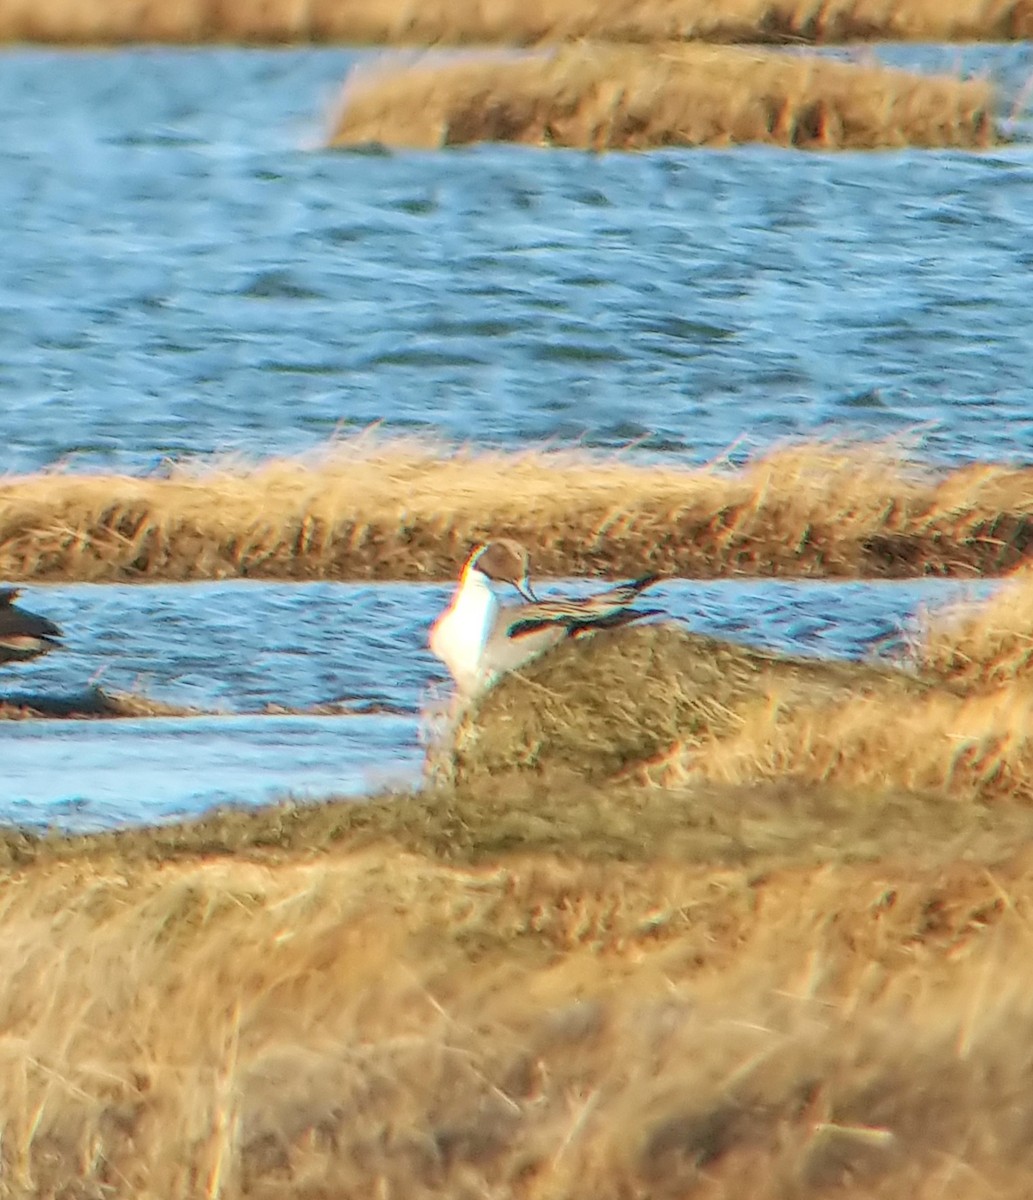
x=970 y=748
x=372 y=509
x=543 y=981
x=607 y=97
x=665 y=707
x=507 y=21
x=597 y=705
x=979 y=647
x=378 y=1022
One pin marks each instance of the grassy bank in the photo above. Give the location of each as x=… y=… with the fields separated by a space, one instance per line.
x=369 y=510
x=375 y=1023
x=506 y=21
x=539 y=981
x=659 y=707
x=607 y=97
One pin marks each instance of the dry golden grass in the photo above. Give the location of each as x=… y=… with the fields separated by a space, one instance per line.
x=391 y=510
x=984 y=646
x=801 y=969
x=665 y=707
x=515 y=22
x=608 y=97
x=968 y=748
x=380 y=1024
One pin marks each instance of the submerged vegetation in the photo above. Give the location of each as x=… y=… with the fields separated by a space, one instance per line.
x=465 y=21
x=367 y=509
x=609 y=97
x=744 y=926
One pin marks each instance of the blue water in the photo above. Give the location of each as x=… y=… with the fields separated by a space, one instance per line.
x=186 y=271
x=240 y=650
x=90 y=775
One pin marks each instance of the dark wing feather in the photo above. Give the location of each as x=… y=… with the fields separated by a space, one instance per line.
x=603 y=610
x=533 y=624
x=584 y=624
x=623 y=616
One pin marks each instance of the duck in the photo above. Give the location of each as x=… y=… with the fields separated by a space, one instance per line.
x=24 y=635
x=480 y=638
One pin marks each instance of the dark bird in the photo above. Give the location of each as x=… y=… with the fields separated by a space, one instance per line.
x=23 y=635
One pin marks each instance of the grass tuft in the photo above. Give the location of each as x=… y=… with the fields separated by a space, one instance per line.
x=506 y=21
x=372 y=509
x=606 y=97
x=598 y=705
x=986 y=646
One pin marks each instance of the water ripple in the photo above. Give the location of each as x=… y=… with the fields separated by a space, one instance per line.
x=181 y=276
x=245 y=647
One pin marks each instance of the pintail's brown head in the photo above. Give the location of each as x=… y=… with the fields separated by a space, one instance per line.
x=504 y=560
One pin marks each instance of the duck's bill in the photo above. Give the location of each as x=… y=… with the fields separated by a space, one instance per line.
x=525 y=590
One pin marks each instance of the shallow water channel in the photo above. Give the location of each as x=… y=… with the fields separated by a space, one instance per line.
x=241 y=649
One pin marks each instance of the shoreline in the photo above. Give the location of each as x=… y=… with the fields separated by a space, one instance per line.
x=394 y=510
x=441 y=22
x=602 y=96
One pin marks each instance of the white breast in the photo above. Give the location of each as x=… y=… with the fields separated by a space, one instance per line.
x=459 y=635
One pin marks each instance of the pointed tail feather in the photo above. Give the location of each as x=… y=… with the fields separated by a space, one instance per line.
x=625 y=593
x=603 y=610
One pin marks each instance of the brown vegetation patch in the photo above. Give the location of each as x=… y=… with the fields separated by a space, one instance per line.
x=597 y=705
x=514 y=22
x=605 y=97
x=984 y=647
x=378 y=1023
x=658 y=705
x=369 y=510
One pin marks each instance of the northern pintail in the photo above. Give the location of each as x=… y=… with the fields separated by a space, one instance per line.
x=23 y=635
x=478 y=638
